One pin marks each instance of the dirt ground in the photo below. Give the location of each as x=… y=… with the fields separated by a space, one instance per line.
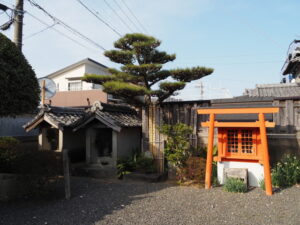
x=96 y=201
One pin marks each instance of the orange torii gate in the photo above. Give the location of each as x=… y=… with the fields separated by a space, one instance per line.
x=239 y=141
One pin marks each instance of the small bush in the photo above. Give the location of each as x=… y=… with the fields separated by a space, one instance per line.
x=287 y=172
x=262 y=184
x=177 y=148
x=138 y=163
x=145 y=164
x=8 y=154
x=235 y=185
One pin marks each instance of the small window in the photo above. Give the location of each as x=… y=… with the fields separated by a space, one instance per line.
x=232 y=136
x=75 y=86
x=57 y=87
x=241 y=141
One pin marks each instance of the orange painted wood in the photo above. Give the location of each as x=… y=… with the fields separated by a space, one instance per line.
x=238 y=110
x=254 y=138
x=238 y=124
x=209 y=158
x=266 y=159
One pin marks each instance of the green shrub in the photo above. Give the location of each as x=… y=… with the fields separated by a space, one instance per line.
x=235 y=185
x=145 y=164
x=136 y=162
x=215 y=180
x=38 y=169
x=177 y=148
x=262 y=184
x=8 y=154
x=125 y=166
x=19 y=88
x=287 y=172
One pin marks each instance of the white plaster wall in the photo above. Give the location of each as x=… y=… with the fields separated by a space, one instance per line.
x=79 y=71
x=62 y=78
x=255 y=171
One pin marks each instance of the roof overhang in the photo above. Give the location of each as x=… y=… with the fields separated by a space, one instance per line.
x=106 y=121
x=38 y=121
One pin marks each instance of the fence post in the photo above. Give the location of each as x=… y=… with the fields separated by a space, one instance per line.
x=66 y=166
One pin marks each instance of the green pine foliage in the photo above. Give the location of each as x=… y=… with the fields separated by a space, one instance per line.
x=142 y=68
x=19 y=88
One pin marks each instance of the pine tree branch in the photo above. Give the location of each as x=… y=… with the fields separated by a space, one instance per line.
x=190 y=74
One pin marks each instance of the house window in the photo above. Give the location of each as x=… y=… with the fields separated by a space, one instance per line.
x=75 y=86
x=57 y=87
x=241 y=141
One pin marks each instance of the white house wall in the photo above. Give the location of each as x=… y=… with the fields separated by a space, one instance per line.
x=62 y=78
x=63 y=81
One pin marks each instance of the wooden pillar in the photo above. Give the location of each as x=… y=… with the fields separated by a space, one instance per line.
x=115 y=147
x=266 y=159
x=66 y=166
x=210 y=146
x=88 y=145
x=60 y=140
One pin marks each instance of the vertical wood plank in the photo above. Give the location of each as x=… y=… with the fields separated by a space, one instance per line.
x=66 y=167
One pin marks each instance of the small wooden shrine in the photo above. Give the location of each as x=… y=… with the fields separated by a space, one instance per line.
x=239 y=141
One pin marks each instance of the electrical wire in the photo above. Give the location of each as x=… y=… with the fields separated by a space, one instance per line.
x=96 y=15
x=59 y=32
x=134 y=16
x=126 y=15
x=66 y=26
x=38 y=32
x=234 y=63
x=120 y=18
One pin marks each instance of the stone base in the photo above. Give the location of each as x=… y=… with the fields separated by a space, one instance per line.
x=255 y=171
x=238 y=173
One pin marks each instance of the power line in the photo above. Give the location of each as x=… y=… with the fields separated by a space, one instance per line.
x=61 y=33
x=95 y=14
x=115 y=12
x=144 y=28
x=234 y=63
x=38 y=32
x=66 y=26
x=126 y=15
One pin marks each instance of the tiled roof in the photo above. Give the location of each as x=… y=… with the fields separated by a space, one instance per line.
x=242 y=99
x=114 y=115
x=274 y=90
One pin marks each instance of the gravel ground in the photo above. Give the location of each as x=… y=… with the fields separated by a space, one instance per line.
x=97 y=201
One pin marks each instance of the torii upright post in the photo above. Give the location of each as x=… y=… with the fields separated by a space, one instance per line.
x=266 y=158
x=210 y=146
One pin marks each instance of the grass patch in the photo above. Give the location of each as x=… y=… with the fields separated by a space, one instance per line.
x=235 y=185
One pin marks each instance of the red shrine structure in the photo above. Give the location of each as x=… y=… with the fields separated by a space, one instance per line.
x=239 y=141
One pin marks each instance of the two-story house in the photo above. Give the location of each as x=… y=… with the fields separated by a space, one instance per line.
x=71 y=91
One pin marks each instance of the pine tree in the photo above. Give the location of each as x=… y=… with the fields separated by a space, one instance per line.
x=142 y=69
x=19 y=88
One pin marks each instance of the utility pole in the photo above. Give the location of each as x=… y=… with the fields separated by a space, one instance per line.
x=18 y=23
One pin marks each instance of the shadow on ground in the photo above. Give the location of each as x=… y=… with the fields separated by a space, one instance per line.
x=91 y=200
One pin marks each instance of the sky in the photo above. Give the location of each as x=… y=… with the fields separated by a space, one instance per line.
x=245 y=42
